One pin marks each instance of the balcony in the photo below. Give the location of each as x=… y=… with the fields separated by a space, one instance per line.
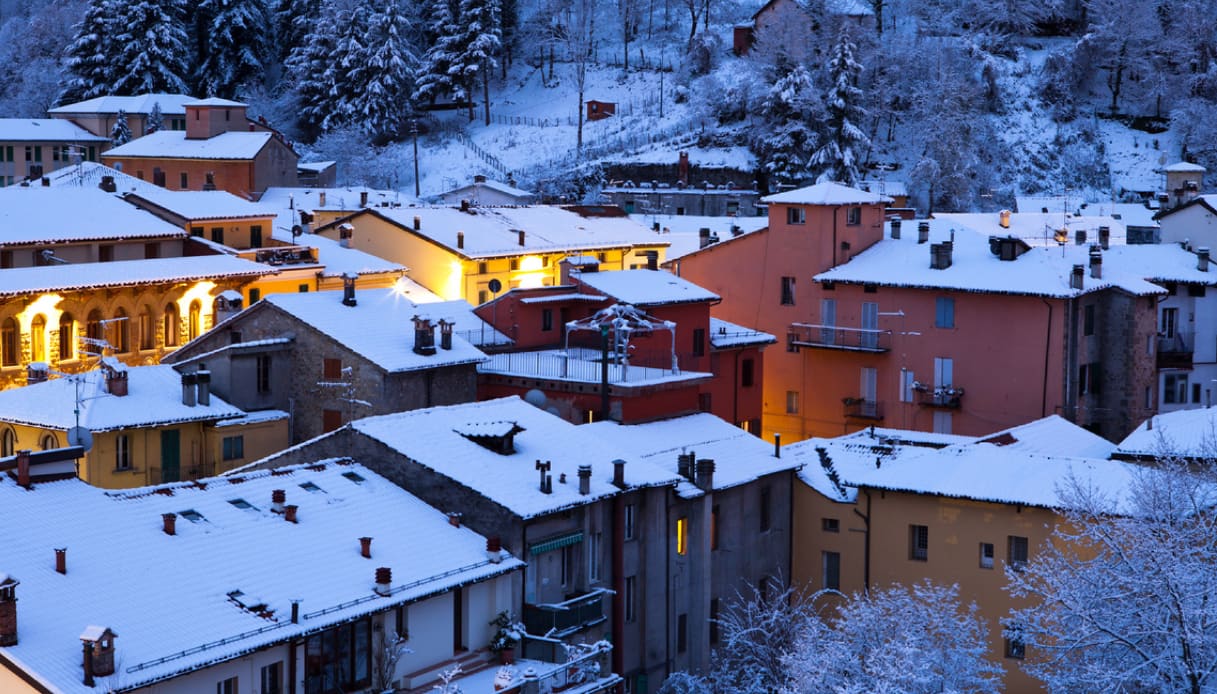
x=1175 y=351
x=944 y=397
x=562 y=619
x=861 y=408
x=836 y=337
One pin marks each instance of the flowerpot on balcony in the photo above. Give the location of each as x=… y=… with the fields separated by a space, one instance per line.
x=507 y=657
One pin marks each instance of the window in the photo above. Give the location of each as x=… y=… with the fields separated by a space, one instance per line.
x=1088 y=320
x=173 y=323
x=942 y=422
x=699 y=342
x=147 y=331
x=792 y=402
x=272 y=678
x=906 y=385
x=831 y=570
x=9 y=345
x=48 y=442
x=234 y=447
x=547 y=319
x=105 y=253
x=67 y=337
x=483 y=296
x=853 y=216
x=796 y=215
x=330 y=420
x=184 y=182
x=944 y=312
x=986 y=555
x=255 y=295
x=339 y=659
x=631 y=598
x=255 y=236
x=682 y=536
x=515 y=264
x=122 y=452
x=1173 y=392
x=682 y=633
x=567 y=558
x=262 y=373
x=788 y=291
x=1169 y=323
x=1088 y=380
x=747 y=374
x=1016 y=552
x=713 y=621
x=714 y=527
x=197 y=232
x=302 y=288
x=594 y=542
x=919 y=542
x=38 y=338
x=217 y=234
x=331 y=369
x=830 y=525
x=630 y=511
x=1014 y=646
x=122 y=332
x=228 y=686
x=483 y=267
x=8 y=442
x=765 y=507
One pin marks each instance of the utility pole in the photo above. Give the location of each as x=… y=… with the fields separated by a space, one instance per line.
x=414 y=135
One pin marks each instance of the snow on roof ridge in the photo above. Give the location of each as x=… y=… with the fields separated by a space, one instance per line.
x=825 y=193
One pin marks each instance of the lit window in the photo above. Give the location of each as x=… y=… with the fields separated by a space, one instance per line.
x=682 y=536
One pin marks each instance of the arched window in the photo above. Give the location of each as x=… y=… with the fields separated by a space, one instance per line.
x=147 y=329
x=173 y=321
x=94 y=332
x=195 y=319
x=38 y=338
x=67 y=337
x=47 y=442
x=121 y=332
x=8 y=442
x=9 y=343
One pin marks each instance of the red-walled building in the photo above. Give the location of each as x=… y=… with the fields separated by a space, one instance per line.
x=667 y=356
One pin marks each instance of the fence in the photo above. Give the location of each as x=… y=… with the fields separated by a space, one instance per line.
x=561 y=366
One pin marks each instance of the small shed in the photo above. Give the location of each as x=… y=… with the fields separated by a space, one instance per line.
x=599 y=110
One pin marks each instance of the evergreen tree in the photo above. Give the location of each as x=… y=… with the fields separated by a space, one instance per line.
x=784 y=139
x=346 y=67
x=837 y=157
x=435 y=76
x=89 y=72
x=150 y=45
x=294 y=20
x=385 y=76
x=309 y=73
x=234 y=45
x=479 y=40
x=155 y=119
x=120 y=134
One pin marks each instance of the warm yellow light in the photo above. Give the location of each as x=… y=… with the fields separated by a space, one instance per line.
x=682 y=535
x=454 y=284
x=201 y=292
x=44 y=306
x=530 y=263
x=531 y=280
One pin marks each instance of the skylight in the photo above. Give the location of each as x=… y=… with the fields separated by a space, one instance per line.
x=310 y=487
x=243 y=504
x=354 y=477
x=192 y=515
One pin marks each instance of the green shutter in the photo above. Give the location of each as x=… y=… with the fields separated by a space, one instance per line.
x=556 y=543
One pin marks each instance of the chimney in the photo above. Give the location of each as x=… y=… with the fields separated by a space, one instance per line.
x=546 y=480
x=460 y=239
x=321 y=199
x=363 y=198
x=8 y=611
x=682 y=168
x=1096 y=262
x=494 y=548
x=585 y=480
x=203 y=378
x=277 y=498
x=1105 y=237
x=1079 y=237
x=684 y=465
x=520 y=234
x=107 y=184
x=23 y=468
x=1075 y=277
x=61 y=560
x=1202 y=259
x=705 y=475
x=295 y=611
x=895 y=228
x=87 y=664
x=188 y=382
x=169 y=523
x=345 y=232
x=619 y=473
x=46 y=182
x=464 y=205
x=365 y=547
x=99 y=651
x=940 y=255
x=116 y=382
x=445 y=333
x=1003 y=218
x=923 y=232
x=384 y=579
x=418 y=223
x=424 y=336
x=36 y=372
x=454 y=518
x=703 y=237
x=289 y=513
x=777 y=445
x=348 y=290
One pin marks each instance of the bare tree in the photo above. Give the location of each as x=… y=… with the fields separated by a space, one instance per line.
x=581 y=39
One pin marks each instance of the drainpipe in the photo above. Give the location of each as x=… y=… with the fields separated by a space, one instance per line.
x=618 y=561
x=291 y=666
x=865 y=542
x=1047 y=353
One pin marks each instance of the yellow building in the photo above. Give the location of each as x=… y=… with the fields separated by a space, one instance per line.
x=149 y=424
x=458 y=252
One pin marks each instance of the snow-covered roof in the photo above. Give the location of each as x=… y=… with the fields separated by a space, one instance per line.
x=1128 y=214
x=1052 y=435
x=645 y=287
x=429 y=437
x=379 y=326
x=496 y=186
x=892 y=188
x=126 y=273
x=1037 y=228
x=171 y=104
x=826 y=193
x=214 y=101
x=683 y=231
x=60 y=214
x=1040 y=271
x=173 y=144
x=154 y=398
x=560 y=296
x=200 y=204
x=583 y=365
x=44 y=130
x=345 y=198
x=739 y=457
x=88 y=174
x=1186 y=433
x=724 y=334
x=126 y=574
x=314 y=166
x=491 y=232
x=1184 y=167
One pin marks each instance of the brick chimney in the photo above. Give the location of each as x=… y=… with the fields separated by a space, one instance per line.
x=188 y=389
x=365 y=547
x=289 y=513
x=116 y=382
x=494 y=549
x=619 y=473
x=454 y=518
x=585 y=480
x=36 y=372
x=705 y=474
x=23 y=468
x=278 y=497
x=424 y=336
x=169 y=523
x=98 y=652
x=384 y=581
x=445 y=333
x=682 y=168
x=61 y=560
x=8 y=610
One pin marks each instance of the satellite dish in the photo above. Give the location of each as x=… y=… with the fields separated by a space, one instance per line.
x=297 y=230
x=495 y=286
x=80 y=436
x=536 y=398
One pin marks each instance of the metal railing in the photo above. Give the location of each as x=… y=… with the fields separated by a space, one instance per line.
x=837 y=337
x=1176 y=350
x=947 y=397
x=565 y=618
x=861 y=408
x=569 y=367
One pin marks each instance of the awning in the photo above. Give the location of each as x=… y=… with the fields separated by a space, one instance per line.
x=556 y=543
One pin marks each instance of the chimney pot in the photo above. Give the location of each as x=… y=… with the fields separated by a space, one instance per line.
x=895 y=228
x=777 y=445
x=454 y=518
x=116 y=382
x=365 y=547
x=619 y=473
x=384 y=579
x=169 y=523
x=295 y=611
x=188 y=385
x=23 y=468
x=418 y=223
x=1096 y=262
x=1079 y=237
x=321 y=199
x=1104 y=237
x=348 y=290
x=705 y=474
x=87 y=655
x=61 y=560
x=1075 y=277
x=923 y=232
x=445 y=333
x=494 y=548
x=107 y=184
x=363 y=198
x=585 y=480
x=460 y=238
x=278 y=497
x=520 y=233
x=289 y=513
x=203 y=381
x=8 y=611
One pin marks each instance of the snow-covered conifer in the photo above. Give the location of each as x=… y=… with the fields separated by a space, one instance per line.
x=120 y=134
x=150 y=48
x=783 y=138
x=155 y=119
x=434 y=76
x=89 y=70
x=837 y=159
x=310 y=73
x=235 y=45
x=384 y=80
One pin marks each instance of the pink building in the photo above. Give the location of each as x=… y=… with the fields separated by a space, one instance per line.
x=933 y=329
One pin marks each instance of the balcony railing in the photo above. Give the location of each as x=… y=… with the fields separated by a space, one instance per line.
x=836 y=337
x=561 y=619
x=577 y=365
x=1175 y=352
x=861 y=408
x=946 y=397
